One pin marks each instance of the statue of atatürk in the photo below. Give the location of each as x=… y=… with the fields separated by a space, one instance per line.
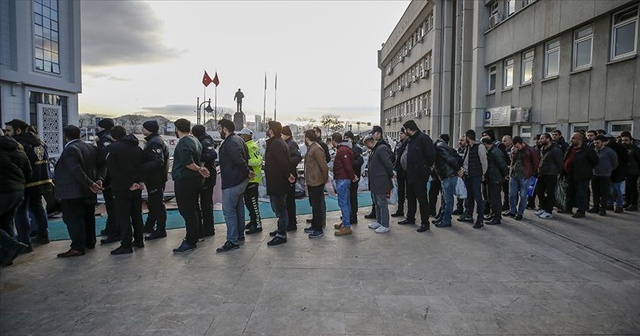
x=238 y=98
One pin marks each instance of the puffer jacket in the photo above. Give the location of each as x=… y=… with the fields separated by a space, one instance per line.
x=551 y=160
x=343 y=162
x=530 y=160
x=40 y=181
x=14 y=166
x=446 y=165
x=498 y=168
x=255 y=161
x=156 y=159
x=124 y=162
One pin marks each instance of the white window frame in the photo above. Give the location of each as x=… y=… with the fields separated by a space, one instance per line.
x=510 y=7
x=615 y=26
x=493 y=71
x=508 y=65
x=525 y=133
x=493 y=7
x=527 y=58
x=618 y=123
x=548 y=52
x=578 y=40
x=577 y=126
x=549 y=128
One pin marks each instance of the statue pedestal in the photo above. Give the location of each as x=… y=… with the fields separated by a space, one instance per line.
x=239 y=121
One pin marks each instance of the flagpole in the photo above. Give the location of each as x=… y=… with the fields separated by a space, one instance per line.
x=275 y=98
x=264 y=111
x=215 y=107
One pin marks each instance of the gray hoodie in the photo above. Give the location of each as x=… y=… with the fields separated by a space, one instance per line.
x=608 y=162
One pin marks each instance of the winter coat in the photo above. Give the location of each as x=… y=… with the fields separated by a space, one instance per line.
x=76 y=170
x=421 y=154
x=234 y=157
x=294 y=156
x=551 y=160
x=316 y=171
x=530 y=160
x=187 y=152
x=497 y=166
x=124 y=162
x=276 y=166
x=358 y=160
x=380 y=169
x=324 y=146
x=607 y=162
x=103 y=143
x=155 y=165
x=343 y=162
x=14 y=166
x=208 y=159
x=634 y=160
x=255 y=161
x=620 y=173
x=40 y=181
x=584 y=160
x=447 y=162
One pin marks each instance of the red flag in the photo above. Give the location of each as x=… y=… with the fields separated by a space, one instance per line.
x=206 y=80
x=215 y=80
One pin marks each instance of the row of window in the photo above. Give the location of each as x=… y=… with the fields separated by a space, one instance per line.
x=415 y=107
x=416 y=37
x=46 y=36
x=421 y=69
x=509 y=9
x=623 y=43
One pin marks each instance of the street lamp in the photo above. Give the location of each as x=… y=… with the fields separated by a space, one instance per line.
x=207 y=109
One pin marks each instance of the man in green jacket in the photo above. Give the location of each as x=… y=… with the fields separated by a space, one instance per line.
x=251 y=192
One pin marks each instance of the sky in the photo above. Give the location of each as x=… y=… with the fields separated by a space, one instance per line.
x=149 y=57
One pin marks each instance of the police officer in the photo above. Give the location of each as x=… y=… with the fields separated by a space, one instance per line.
x=251 y=192
x=208 y=160
x=155 y=169
x=111 y=230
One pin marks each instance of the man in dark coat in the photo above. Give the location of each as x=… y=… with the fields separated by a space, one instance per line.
x=358 y=161
x=155 y=168
x=77 y=182
x=111 y=230
x=294 y=159
x=421 y=154
x=579 y=161
x=475 y=167
x=548 y=171
x=633 y=172
x=205 y=204
x=401 y=177
x=619 y=174
x=124 y=161
x=278 y=177
x=380 y=173
x=448 y=168
x=497 y=172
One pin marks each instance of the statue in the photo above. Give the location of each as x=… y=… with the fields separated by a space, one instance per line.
x=238 y=98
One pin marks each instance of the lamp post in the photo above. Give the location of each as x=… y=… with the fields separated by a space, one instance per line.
x=207 y=109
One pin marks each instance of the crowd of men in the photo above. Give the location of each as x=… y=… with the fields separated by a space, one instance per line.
x=501 y=178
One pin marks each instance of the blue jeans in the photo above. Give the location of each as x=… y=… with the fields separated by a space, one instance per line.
x=448 y=189
x=474 y=194
x=31 y=202
x=344 y=200
x=279 y=207
x=616 y=189
x=518 y=187
x=233 y=210
x=382 y=208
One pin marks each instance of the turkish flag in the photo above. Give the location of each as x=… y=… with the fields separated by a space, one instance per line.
x=206 y=80
x=215 y=80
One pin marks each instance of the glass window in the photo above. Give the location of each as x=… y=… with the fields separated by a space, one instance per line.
x=492 y=78
x=582 y=46
x=552 y=59
x=45 y=41
x=508 y=73
x=510 y=7
x=623 y=34
x=527 y=66
x=494 y=8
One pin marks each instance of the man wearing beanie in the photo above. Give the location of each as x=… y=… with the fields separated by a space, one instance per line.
x=155 y=169
x=111 y=230
x=294 y=159
x=209 y=156
x=279 y=178
x=448 y=167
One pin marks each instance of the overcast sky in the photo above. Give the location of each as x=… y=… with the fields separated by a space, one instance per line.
x=149 y=57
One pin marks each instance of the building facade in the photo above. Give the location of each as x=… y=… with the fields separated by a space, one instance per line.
x=519 y=67
x=40 y=65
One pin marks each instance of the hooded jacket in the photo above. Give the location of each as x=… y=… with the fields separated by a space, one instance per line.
x=14 y=166
x=124 y=162
x=343 y=162
x=208 y=156
x=530 y=160
x=276 y=166
x=421 y=154
x=446 y=160
x=551 y=160
x=156 y=159
x=255 y=161
x=234 y=157
x=497 y=166
x=40 y=181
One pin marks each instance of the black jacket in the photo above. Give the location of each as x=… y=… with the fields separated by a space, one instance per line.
x=124 y=162
x=446 y=161
x=14 y=166
x=551 y=160
x=276 y=167
x=634 y=160
x=326 y=150
x=563 y=144
x=156 y=159
x=401 y=146
x=622 y=170
x=497 y=168
x=104 y=141
x=40 y=181
x=76 y=170
x=234 y=158
x=209 y=157
x=421 y=154
x=358 y=160
x=294 y=156
x=584 y=161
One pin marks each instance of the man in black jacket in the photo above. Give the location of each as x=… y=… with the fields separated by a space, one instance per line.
x=448 y=168
x=497 y=172
x=294 y=159
x=77 y=182
x=358 y=161
x=619 y=174
x=124 y=161
x=205 y=205
x=401 y=177
x=278 y=175
x=155 y=168
x=421 y=154
x=579 y=161
x=550 y=167
x=633 y=172
x=111 y=230
x=475 y=167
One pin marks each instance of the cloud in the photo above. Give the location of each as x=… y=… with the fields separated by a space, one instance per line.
x=179 y=111
x=122 y=32
x=103 y=75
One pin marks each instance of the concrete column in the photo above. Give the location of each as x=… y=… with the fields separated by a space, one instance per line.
x=446 y=60
x=475 y=118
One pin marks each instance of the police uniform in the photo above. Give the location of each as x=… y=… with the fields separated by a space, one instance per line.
x=155 y=169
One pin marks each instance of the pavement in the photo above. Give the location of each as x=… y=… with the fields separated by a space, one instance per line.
x=562 y=276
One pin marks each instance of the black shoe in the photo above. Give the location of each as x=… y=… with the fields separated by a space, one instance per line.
x=465 y=219
x=137 y=243
x=493 y=222
x=371 y=215
x=578 y=214
x=109 y=240
x=40 y=240
x=156 y=235
x=437 y=217
x=423 y=228
x=489 y=218
x=505 y=207
x=508 y=214
x=273 y=233
x=146 y=230
x=610 y=207
x=443 y=224
x=309 y=229
x=277 y=241
x=457 y=212
x=593 y=210
x=435 y=221
x=253 y=229
x=602 y=212
x=518 y=217
x=398 y=214
x=14 y=249
x=354 y=221
x=407 y=221
x=241 y=238
x=309 y=220
x=291 y=228
x=478 y=225
x=184 y=247
x=228 y=246
x=250 y=225
x=122 y=250
x=29 y=249
x=618 y=210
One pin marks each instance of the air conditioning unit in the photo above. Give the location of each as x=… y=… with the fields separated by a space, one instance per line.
x=520 y=115
x=495 y=19
x=423 y=74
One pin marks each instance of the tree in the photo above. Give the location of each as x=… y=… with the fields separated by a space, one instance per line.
x=331 y=123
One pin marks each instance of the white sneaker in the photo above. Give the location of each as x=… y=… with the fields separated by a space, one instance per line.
x=545 y=215
x=539 y=212
x=374 y=225
x=382 y=229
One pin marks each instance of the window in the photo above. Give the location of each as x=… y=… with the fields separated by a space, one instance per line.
x=45 y=39
x=510 y=7
x=492 y=78
x=579 y=127
x=615 y=128
x=549 y=128
x=623 y=33
x=527 y=67
x=494 y=8
x=508 y=73
x=525 y=133
x=551 y=59
x=582 y=46
x=427 y=102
